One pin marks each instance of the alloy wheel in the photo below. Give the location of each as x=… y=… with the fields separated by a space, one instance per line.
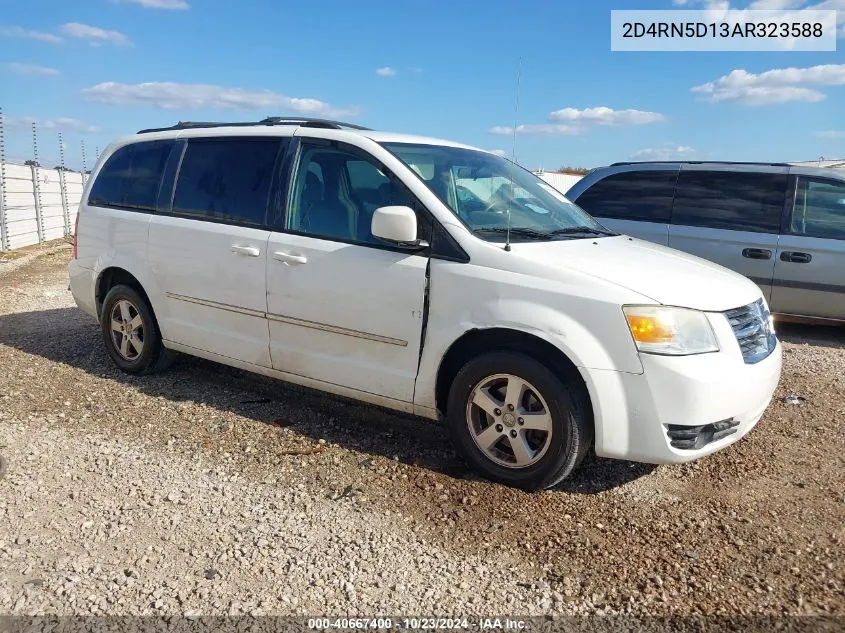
x=509 y=420
x=127 y=330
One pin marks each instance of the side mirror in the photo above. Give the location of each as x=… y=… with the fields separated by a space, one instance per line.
x=398 y=226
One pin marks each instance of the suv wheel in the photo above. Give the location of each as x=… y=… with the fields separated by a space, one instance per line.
x=516 y=422
x=131 y=333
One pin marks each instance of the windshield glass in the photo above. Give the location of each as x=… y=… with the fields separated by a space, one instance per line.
x=483 y=190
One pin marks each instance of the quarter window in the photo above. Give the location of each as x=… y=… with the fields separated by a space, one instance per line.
x=645 y=196
x=819 y=209
x=740 y=201
x=226 y=180
x=131 y=176
x=336 y=191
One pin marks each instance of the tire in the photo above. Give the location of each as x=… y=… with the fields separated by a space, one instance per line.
x=141 y=352
x=534 y=458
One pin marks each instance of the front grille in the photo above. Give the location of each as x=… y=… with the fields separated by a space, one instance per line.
x=753 y=331
x=695 y=437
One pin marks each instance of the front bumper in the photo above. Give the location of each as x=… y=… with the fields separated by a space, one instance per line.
x=640 y=416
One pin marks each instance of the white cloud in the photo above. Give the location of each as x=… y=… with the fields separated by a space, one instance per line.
x=571 y=121
x=774 y=86
x=17 y=31
x=158 y=4
x=30 y=69
x=537 y=128
x=667 y=151
x=833 y=134
x=606 y=116
x=60 y=124
x=95 y=34
x=177 y=96
x=386 y=71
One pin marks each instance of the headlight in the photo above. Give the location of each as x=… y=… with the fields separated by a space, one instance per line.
x=769 y=316
x=671 y=331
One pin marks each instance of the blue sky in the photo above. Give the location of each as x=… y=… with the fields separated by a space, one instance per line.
x=99 y=69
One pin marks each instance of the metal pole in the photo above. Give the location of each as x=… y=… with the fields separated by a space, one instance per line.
x=4 y=236
x=36 y=185
x=84 y=167
x=63 y=186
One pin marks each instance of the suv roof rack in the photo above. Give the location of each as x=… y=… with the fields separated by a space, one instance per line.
x=699 y=162
x=270 y=120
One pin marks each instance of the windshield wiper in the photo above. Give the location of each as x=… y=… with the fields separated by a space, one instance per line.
x=515 y=232
x=581 y=230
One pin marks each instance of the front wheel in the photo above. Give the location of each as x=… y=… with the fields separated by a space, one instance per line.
x=518 y=423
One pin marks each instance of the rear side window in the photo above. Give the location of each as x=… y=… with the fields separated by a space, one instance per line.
x=226 y=179
x=819 y=209
x=739 y=201
x=131 y=177
x=635 y=195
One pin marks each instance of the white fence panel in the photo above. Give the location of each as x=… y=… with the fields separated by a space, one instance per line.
x=52 y=209
x=19 y=204
x=561 y=182
x=20 y=207
x=73 y=190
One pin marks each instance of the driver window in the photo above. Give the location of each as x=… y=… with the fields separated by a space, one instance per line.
x=335 y=193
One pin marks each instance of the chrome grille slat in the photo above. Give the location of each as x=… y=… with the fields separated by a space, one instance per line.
x=750 y=325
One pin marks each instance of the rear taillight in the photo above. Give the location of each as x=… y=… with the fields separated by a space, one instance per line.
x=76 y=237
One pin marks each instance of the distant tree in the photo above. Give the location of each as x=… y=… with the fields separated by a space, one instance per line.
x=31 y=163
x=62 y=168
x=574 y=170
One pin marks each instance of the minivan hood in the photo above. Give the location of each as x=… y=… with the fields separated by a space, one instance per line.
x=663 y=274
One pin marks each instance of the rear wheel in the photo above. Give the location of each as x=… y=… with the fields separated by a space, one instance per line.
x=518 y=423
x=131 y=333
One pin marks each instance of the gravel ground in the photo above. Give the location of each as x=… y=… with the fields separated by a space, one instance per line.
x=209 y=490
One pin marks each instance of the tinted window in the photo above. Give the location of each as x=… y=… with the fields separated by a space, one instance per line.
x=226 y=179
x=635 y=195
x=131 y=176
x=740 y=201
x=336 y=191
x=819 y=208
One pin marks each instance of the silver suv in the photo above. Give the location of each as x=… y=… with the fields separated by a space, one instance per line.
x=780 y=225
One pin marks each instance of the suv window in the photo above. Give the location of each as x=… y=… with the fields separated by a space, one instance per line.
x=634 y=195
x=740 y=201
x=131 y=176
x=226 y=179
x=819 y=209
x=335 y=192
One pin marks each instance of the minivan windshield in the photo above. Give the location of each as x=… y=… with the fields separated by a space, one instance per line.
x=484 y=190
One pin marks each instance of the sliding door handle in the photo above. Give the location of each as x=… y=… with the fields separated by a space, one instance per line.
x=756 y=253
x=290 y=259
x=249 y=251
x=795 y=257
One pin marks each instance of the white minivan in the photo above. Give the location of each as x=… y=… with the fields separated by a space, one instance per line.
x=424 y=276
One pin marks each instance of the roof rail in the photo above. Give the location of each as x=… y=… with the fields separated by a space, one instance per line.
x=699 y=162
x=270 y=120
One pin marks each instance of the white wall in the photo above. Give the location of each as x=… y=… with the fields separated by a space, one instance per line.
x=58 y=194
x=561 y=182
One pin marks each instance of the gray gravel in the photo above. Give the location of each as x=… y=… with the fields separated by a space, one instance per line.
x=207 y=490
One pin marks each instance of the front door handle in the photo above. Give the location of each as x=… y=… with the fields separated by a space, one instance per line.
x=757 y=253
x=796 y=257
x=249 y=251
x=290 y=259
